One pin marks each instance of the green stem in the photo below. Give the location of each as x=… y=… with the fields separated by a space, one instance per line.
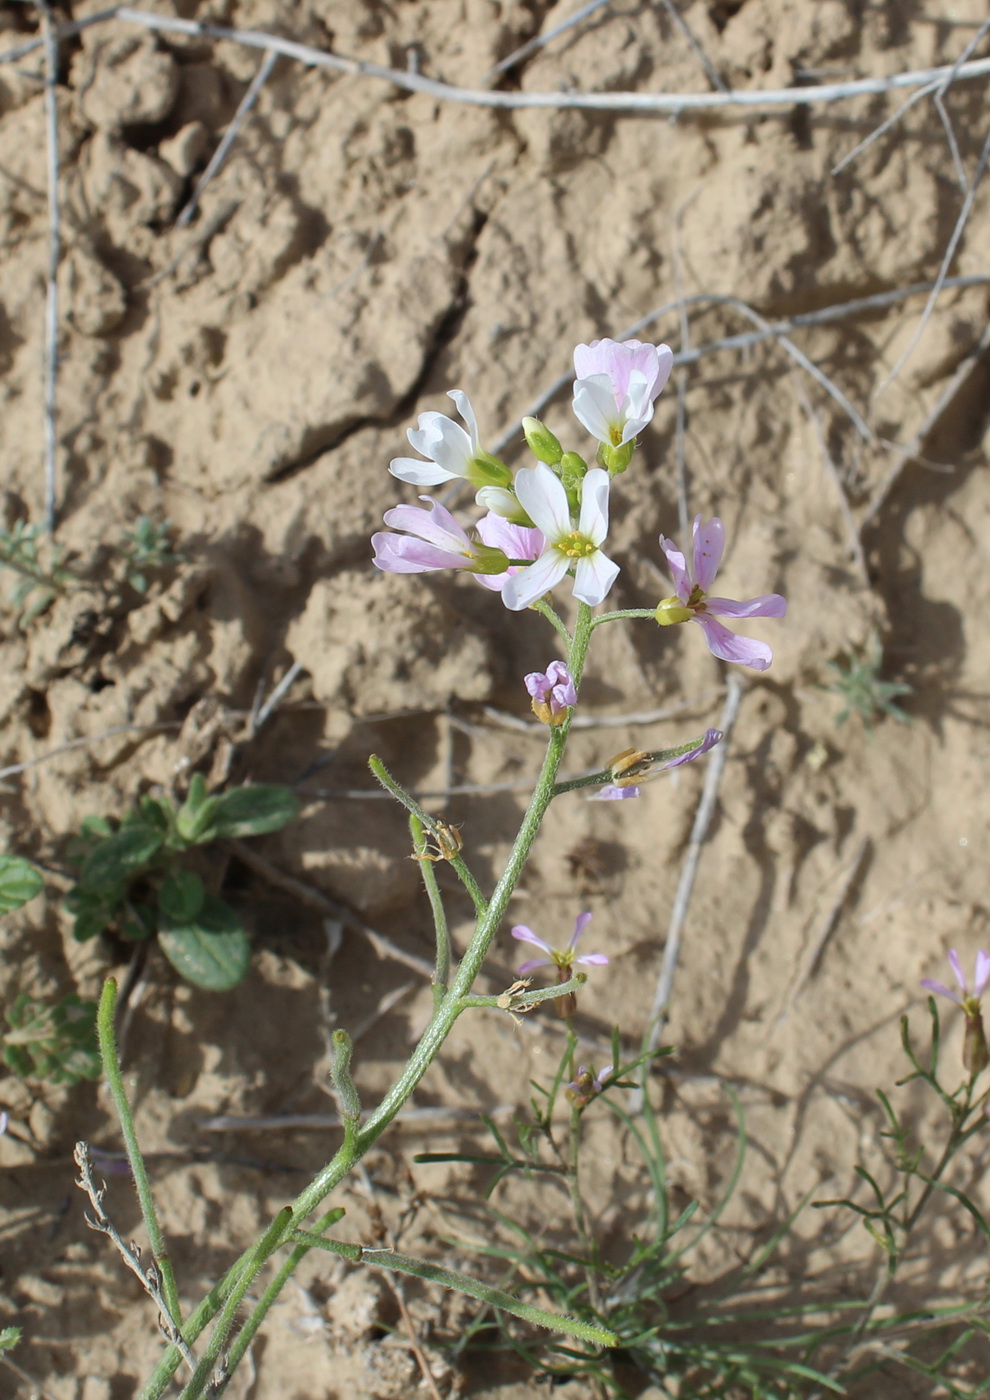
x=522 y=1001
x=430 y=823
x=115 y=1080
x=624 y=613
x=203 y=1374
x=542 y=606
x=441 y=975
x=490 y=915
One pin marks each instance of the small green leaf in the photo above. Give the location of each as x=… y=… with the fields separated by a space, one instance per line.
x=120 y=856
x=155 y=813
x=19 y=882
x=181 y=897
x=255 y=809
x=194 y=819
x=9 y=1337
x=56 y=1042
x=210 y=952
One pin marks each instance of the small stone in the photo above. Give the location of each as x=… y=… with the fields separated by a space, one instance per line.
x=185 y=150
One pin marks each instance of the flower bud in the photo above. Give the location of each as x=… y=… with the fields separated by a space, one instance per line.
x=541 y=442
x=671 y=610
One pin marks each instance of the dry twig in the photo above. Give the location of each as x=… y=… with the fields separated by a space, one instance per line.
x=50 y=37
x=229 y=137
x=827 y=927
x=540 y=40
x=150 y=1279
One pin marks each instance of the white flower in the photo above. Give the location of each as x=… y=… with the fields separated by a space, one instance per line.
x=617 y=385
x=451 y=450
x=544 y=500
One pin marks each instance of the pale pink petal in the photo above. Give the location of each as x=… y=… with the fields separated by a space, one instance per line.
x=678 y=567
x=580 y=924
x=727 y=646
x=709 y=546
x=713 y=737
x=419 y=473
x=941 y=989
x=611 y=792
x=767 y=605
x=665 y=363
x=533 y=964
x=593 y=578
x=593 y=960
x=439 y=527
x=982 y=973
x=544 y=500
x=528 y=585
x=593 y=523
x=403 y=554
x=526 y=935
x=515 y=541
x=956 y=966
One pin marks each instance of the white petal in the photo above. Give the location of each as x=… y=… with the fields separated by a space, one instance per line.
x=463 y=405
x=529 y=584
x=594 y=406
x=419 y=473
x=544 y=500
x=593 y=577
x=594 y=505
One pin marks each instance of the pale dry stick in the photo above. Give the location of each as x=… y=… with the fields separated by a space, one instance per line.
x=950 y=253
x=826 y=928
x=884 y=127
x=49 y=32
x=910 y=452
x=315 y=899
x=204 y=232
x=671 y=103
x=148 y=1277
x=540 y=40
x=86 y=741
x=229 y=137
x=689 y=872
x=832 y=471
x=64 y=31
x=432 y=1115
x=261 y=713
x=384 y=1006
x=710 y=72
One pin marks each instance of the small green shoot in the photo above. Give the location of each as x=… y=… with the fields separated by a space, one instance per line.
x=134 y=879
x=148 y=547
x=28 y=552
x=56 y=1042
x=863 y=693
x=19 y=882
x=9 y=1337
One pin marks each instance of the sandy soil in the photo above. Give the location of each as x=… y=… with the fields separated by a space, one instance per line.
x=249 y=377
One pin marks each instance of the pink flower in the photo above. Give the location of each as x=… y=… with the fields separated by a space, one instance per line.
x=561 y=958
x=552 y=693
x=515 y=542
x=968 y=1000
x=617 y=385
x=544 y=500
x=692 y=603
x=434 y=541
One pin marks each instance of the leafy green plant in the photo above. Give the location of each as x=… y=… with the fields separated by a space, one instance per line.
x=134 y=876
x=148 y=547
x=56 y=1042
x=37 y=560
x=863 y=693
x=9 y=1337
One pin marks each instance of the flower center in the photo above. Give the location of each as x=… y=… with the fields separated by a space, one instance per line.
x=576 y=546
x=696 y=602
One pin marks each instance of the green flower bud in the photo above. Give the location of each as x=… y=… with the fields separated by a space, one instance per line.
x=488 y=559
x=671 y=610
x=541 y=442
x=975 y=1055
x=616 y=459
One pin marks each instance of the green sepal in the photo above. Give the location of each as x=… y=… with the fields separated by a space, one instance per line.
x=19 y=882
x=486 y=470
x=616 y=459
x=253 y=810
x=544 y=446
x=116 y=858
x=181 y=897
x=212 y=951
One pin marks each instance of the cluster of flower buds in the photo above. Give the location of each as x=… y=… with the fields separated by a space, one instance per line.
x=549 y=522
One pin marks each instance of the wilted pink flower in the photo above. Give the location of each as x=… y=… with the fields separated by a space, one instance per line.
x=586 y=1086
x=435 y=541
x=616 y=386
x=544 y=500
x=975 y=1053
x=692 y=603
x=551 y=692
x=515 y=542
x=640 y=766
